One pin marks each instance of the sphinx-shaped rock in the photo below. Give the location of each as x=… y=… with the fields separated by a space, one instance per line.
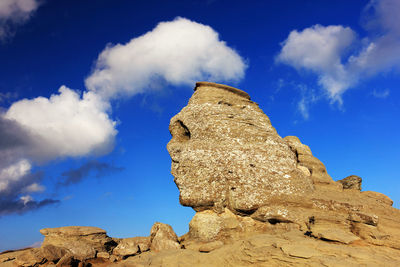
x=225 y=153
x=232 y=167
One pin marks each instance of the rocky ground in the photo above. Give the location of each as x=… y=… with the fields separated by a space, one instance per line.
x=261 y=200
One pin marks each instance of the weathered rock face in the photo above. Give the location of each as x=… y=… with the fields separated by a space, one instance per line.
x=225 y=153
x=232 y=167
x=163 y=237
x=82 y=242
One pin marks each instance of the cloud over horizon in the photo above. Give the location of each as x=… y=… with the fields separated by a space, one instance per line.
x=14 y=13
x=178 y=52
x=339 y=57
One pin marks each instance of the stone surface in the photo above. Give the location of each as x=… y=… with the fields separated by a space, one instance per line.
x=289 y=249
x=351 y=182
x=132 y=246
x=29 y=258
x=163 y=237
x=225 y=153
x=82 y=242
x=207 y=247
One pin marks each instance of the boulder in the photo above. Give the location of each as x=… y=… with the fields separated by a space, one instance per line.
x=163 y=237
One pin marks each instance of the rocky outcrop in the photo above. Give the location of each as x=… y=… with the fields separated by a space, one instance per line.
x=79 y=245
x=261 y=200
x=232 y=167
x=225 y=153
x=82 y=242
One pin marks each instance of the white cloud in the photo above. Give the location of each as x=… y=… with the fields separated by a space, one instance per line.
x=177 y=52
x=339 y=58
x=321 y=50
x=43 y=129
x=14 y=12
x=64 y=125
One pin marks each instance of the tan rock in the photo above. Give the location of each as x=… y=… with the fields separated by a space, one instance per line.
x=290 y=249
x=80 y=241
x=163 y=237
x=103 y=255
x=305 y=159
x=53 y=253
x=378 y=197
x=210 y=246
x=205 y=226
x=30 y=257
x=225 y=153
x=67 y=260
x=132 y=246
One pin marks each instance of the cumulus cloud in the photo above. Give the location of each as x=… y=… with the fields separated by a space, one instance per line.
x=43 y=129
x=320 y=49
x=64 y=125
x=98 y=169
x=339 y=57
x=14 y=13
x=178 y=52
x=73 y=124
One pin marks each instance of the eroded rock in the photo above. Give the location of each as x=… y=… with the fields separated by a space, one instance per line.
x=163 y=237
x=131 y=246
x=225 y=153
x=80 y=241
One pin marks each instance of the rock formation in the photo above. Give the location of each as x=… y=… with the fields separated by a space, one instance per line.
x=261 y=200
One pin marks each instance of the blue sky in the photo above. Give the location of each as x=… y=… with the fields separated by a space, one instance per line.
x=87 y=89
